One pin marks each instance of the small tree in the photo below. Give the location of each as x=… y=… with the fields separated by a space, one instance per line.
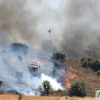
x=58 y=59
x=91 y=63
x=59 y=56
x=87 y=61
x=78 y=89
x=47 y=88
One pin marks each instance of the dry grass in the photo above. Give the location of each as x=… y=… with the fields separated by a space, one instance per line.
x=15 y=97
x=8 y=97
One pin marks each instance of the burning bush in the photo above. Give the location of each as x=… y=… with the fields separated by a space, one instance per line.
x=71 y=74
x=78 y=89
x=91 y=63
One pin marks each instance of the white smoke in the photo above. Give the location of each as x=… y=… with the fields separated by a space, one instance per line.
x=53 y=82
x=15 y=73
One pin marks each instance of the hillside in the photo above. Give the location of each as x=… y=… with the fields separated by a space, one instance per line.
x=87 y=75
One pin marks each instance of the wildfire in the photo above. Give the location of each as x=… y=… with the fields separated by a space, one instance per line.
x=98 y=59
x=45 y=62
x=42 y=61
x=71 y=73
x=15 y=59
x=67 y=84
x=79 y=61
x=92 y=54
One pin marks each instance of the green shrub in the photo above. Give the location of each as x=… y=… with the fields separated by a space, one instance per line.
x=58 y=59
x=87 y=61
x=47 y=88
x=78 y=89
x=58 y=56
x=91 y=63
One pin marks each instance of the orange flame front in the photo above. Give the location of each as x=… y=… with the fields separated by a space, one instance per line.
x=45 y=62
x=71 y=73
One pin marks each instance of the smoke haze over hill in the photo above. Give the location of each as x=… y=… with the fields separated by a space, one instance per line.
x=74 y=24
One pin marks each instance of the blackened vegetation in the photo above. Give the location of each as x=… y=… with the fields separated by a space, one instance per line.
x=19 y=48
x=90 y=62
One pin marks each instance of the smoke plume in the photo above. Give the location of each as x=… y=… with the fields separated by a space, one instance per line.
x=17 y=22
x=74 y=29
x=81 y=32
x=15 y=74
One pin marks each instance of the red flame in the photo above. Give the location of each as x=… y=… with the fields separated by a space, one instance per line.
x=42 y=61
x=71 y=73
x=98 y=59
x=45 y=62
